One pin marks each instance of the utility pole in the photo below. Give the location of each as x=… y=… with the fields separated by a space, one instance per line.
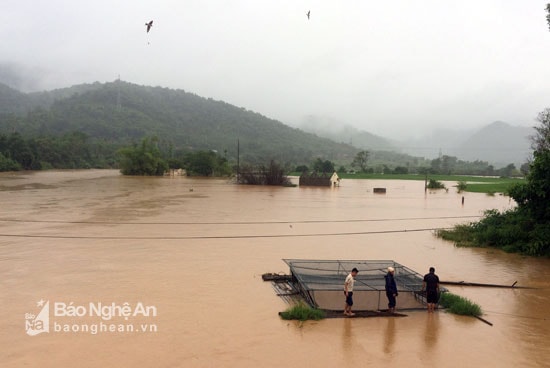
x=118 y=106
x=238 y=160
x=426 y=181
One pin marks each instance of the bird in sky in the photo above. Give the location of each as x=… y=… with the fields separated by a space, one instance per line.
x=308 y=13
x=149 y=25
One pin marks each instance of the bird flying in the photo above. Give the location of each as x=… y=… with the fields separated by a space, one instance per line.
x=308 y=12
x=149 y=25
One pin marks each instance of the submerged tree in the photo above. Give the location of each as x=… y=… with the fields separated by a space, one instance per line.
x=434 y=184
x=142 y=159
x=206 y=163
x=264 y=175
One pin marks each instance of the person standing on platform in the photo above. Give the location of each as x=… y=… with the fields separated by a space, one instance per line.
x=391 y=289
x=431 y=286
x=348 y=292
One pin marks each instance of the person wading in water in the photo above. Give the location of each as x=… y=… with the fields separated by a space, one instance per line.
x=431 y=285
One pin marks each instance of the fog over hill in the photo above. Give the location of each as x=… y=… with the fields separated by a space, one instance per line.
x=498 y=143
x=339 y=131
x=122 y=111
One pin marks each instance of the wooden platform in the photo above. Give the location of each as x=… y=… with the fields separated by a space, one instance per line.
x=276 y=277
x=363 y=314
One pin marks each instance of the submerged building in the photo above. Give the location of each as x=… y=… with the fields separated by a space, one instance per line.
x=321 y=283
x=319 y=179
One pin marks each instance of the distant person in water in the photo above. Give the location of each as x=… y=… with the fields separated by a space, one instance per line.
x=431 y=286
x=391 y=289
x=348 y=292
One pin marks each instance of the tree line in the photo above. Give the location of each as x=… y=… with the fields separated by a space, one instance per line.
x=76 y=150
x=69 y=151
x=444 y=165
x=148 y=158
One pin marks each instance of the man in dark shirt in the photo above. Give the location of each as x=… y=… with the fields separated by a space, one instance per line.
x=431 y=285
x=391 y=289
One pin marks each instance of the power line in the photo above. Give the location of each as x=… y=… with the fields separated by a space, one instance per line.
x=238 y=222
x=215 y=236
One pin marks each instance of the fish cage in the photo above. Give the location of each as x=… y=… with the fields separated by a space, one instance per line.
x=321 y=283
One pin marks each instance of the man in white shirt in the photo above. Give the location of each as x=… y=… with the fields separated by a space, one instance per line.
x=348 y=292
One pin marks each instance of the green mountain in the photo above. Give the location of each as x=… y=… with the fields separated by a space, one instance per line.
x=121 y=113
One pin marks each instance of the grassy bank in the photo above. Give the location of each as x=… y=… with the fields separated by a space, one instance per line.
x=302 y=312
x=459 y=305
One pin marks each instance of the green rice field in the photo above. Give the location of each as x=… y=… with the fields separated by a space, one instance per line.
x=476 y=184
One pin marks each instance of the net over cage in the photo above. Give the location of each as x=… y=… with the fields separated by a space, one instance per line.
x=321 y=283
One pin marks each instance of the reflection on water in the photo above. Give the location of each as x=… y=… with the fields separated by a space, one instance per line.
x=198 y=256
x=347 y=336
x=432 y=331
x=389 y=336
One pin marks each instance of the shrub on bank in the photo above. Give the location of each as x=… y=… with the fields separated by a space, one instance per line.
x=512 y=231
x=459 y=305
x=302 y=312
x=461 y=186
x=434 y=184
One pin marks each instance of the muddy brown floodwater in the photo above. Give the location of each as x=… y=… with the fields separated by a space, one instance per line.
x=187 y=256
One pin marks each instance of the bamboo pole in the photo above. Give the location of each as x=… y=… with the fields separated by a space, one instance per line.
x=483 y=320
x=465 y=283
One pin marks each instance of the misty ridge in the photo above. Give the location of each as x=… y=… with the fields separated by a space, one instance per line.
x=122 y=112
x=498 y=143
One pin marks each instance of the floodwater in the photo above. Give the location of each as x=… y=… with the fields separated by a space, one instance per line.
x=195 y=250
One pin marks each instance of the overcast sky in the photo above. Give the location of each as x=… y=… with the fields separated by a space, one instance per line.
x=396 y=67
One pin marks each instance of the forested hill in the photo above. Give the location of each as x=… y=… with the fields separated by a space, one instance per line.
x=120 y=113
x=15 y=102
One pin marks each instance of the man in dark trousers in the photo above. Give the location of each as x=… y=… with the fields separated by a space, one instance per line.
x=348 y=292
x=431 y=285
x=391 y=289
